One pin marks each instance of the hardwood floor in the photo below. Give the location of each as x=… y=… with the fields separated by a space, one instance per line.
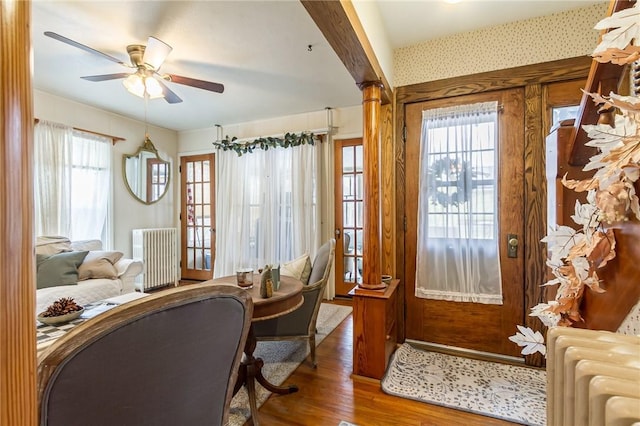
x=330 y=394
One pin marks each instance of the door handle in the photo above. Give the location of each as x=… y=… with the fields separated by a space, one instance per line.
x=512 y=245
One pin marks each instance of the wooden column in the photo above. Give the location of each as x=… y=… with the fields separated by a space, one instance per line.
x=371 y=101
x=17 y=293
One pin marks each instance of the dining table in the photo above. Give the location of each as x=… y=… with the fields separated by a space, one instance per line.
x=286 y=298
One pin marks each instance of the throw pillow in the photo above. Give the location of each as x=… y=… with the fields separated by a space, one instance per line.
x=299 y=268
x=52 y=245
x=59 y=269
x=99 y=264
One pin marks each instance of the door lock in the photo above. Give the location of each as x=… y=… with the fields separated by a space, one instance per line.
x=512 y=245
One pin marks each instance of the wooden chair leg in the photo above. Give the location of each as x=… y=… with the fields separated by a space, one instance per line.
x=312 y=347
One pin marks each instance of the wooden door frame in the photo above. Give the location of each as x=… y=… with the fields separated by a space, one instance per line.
x=183 y=196
x=532 y=78
x=338 y=206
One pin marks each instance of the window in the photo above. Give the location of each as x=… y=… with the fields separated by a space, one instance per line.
x=461 y=179
x=267 y=210
x=457 y=249
x=72 y=183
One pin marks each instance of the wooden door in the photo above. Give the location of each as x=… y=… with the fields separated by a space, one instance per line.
x=348 y=157
x=197 y=217
x=476 y=326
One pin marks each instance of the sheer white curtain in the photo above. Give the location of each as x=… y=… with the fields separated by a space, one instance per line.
x=457 y=249
x=267 y=207
x=90 y=186
x=72 y=177
x=52 y=178
x=327 y=205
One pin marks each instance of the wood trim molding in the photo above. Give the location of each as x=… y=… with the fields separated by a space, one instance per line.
x=546 y=72
x=535 y=209
x=342 y=28
x=17 y=264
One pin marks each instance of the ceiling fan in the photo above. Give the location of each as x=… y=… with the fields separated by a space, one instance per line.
x=146 y=60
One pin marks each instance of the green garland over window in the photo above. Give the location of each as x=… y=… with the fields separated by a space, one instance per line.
x=287 y=141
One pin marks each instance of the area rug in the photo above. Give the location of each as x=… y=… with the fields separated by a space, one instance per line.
x=508 y=392
x=282 y=358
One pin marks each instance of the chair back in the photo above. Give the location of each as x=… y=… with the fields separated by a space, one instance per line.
x=166 y=359
x=318 y=279
x=322 y=263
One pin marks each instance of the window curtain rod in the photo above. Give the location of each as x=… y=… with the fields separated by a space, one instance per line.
x=114 y=139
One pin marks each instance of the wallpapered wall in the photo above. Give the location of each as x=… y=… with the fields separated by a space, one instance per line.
x=558 y=36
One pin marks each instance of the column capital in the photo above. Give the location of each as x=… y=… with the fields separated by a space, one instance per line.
x=376 y=83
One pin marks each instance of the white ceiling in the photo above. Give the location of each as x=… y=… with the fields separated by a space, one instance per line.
x=257 y=49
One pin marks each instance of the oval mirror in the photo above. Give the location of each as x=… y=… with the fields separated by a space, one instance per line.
x=146 y=174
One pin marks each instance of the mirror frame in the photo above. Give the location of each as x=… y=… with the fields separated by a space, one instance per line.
x=147 y=146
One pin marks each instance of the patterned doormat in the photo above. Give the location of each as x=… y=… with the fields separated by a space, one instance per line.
x=508 y=392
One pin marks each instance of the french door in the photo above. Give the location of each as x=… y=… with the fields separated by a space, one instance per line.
x=197 y=217
x=476 y=326
x=348 y=157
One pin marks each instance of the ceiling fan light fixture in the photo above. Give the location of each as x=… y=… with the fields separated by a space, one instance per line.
x=141 y=85
x=135 y=85
x=156 y=52
x=154 y=90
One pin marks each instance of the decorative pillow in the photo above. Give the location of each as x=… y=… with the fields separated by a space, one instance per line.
x=86 y=245
x=299 y=268
x=52 y=245
x=58 y=269
x=99 y=264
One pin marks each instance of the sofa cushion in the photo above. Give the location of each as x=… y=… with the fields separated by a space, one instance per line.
x=99 y=264
x=52 y=245
x=299 y=268
x=86 y=245
x=58 y=269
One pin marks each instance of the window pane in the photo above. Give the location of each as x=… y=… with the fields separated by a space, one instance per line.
x=359 y=158
x=563 y=113
x=348 y=214
x=348 y=187
x=347 y=159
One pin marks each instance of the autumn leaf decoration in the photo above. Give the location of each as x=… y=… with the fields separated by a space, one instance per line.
x=576 y=255
x=616 y=45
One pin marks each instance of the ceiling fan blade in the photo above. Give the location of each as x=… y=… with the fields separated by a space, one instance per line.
x=169 y=95
x=104 y=77
x=156 y=52
x=193 y=82
x=85 y=48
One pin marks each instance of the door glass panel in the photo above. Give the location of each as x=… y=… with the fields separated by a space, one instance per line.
x=198 y=171
x=359 y=157
x=359 y=186
x=347 y=159
x=348 y=215
x=352 y=211
x=359 y=214
x=348 y=187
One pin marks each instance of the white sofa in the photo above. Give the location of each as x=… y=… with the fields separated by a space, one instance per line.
x=89 y=290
